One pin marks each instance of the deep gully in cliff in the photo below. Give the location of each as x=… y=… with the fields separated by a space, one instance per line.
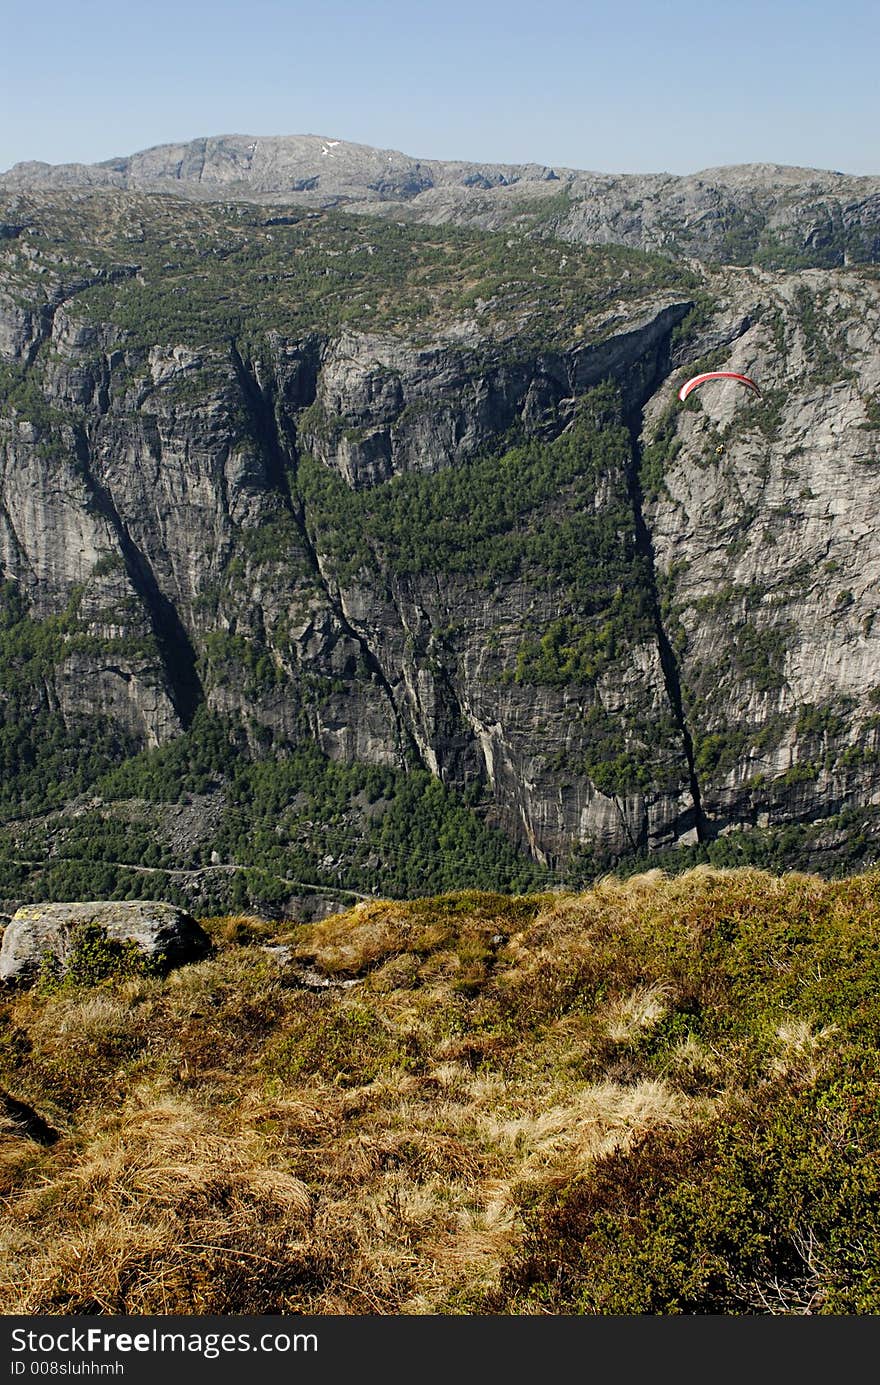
x=174 y=645
x=668 y=662
x=63 y=293
x=280 y=456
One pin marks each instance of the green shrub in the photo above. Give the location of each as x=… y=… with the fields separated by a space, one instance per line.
x=94 y=959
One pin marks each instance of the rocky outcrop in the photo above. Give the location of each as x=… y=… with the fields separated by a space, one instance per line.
x=163 y=935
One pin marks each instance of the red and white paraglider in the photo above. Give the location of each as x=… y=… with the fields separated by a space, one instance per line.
x=717 y=375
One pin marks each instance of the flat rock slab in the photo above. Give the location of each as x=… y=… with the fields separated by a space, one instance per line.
x=167 y=936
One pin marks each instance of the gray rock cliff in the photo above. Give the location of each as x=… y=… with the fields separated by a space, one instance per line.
x=185 y=505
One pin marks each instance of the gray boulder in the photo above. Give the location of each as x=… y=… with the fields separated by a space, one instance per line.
x=165 y=935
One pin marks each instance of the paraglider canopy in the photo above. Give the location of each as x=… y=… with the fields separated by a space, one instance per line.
x=717 y=375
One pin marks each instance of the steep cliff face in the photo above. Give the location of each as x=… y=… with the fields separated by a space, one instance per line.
x=451 y=638
x=506 y=556
x=764 y=527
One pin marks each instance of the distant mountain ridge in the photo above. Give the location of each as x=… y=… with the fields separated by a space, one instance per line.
x=764 y=213
x=279 y=165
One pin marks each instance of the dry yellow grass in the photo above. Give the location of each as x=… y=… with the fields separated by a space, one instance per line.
x=232 y=1142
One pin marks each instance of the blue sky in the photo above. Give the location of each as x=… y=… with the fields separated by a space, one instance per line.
x=634 y=86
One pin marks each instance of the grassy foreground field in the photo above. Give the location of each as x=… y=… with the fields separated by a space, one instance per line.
x=659 y=1096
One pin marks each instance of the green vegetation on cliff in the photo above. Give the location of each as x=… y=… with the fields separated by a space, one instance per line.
x=45 y=757
x=289 y=818
x=162 y=270
x=533 y=510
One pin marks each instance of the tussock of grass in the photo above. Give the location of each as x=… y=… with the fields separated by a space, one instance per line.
x=657 y=1096
x=236 y=929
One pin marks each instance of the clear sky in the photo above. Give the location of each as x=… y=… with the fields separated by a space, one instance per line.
x=633 y=86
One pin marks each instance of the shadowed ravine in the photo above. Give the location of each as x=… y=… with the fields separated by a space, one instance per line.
x=668 y=660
